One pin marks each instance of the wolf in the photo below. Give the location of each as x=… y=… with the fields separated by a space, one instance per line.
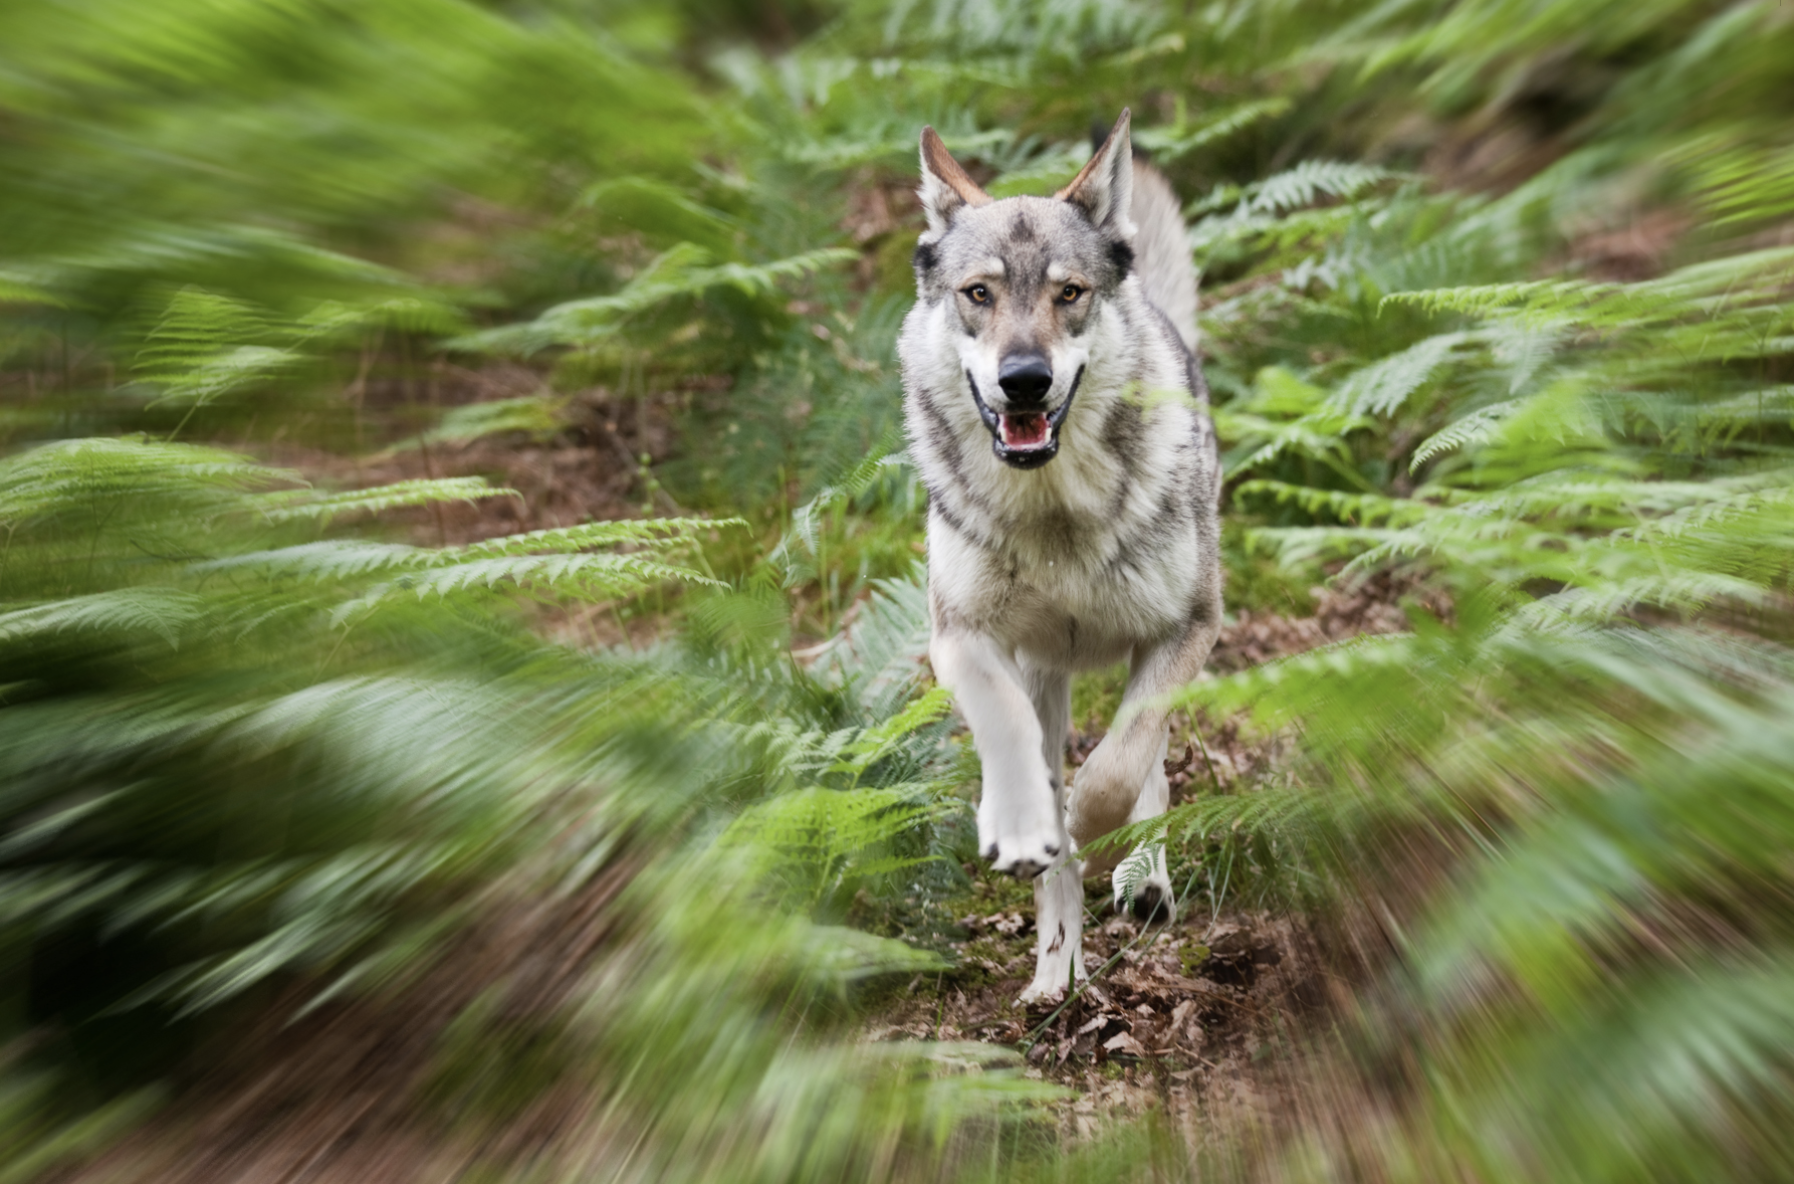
x=1058 y=417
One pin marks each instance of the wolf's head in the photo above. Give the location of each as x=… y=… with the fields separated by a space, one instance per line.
x=1026 y=279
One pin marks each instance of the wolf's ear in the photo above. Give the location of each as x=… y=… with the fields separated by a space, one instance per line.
x=945 y=186
x=1104 y=188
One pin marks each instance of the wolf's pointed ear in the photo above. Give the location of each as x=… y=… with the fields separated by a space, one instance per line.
x=945 y=186
x=1104 y=187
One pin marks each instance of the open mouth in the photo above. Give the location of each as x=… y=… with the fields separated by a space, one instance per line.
x=1025 y=439
x=1023 y=431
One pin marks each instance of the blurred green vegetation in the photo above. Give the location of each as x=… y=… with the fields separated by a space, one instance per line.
x=1497 y=297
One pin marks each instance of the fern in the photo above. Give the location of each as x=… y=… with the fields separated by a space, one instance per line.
x=165 y=612
x=592 y=577
x=647 y=533
x=806 y=519
x=878 y=741
x=1167 y=144
x=538 y=415
x=684 y=272
x=1477 y=427
x=1133 y=871
x=879 y=658
x=1382 y=388
x=818 y=842
x=205 y=347
x=1587 y=983
x=68 y=477
x=287 y=506
x=1296 y=187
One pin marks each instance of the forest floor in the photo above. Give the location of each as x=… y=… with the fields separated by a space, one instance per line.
x=1201 y=1016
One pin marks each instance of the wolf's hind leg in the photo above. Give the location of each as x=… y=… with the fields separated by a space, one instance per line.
x=1059 y=940
x=1152 y=898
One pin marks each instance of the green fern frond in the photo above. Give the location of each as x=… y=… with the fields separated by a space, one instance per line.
x=1297 y=187
x=1561 y=893
x=1477 y=427
x=1702 y=290
x=1362 y=508
x=305 y=504
x=1686 y=1054
x=644 y=532
x=73 y=474
x=337 y=322
x=209 y=345
x=1384 y=386
x=330 y=559
x=1133 y=871
x=816 y=842
x=877 y=741
x=806 y=520
x=591 y=577
x=166 y=612
x=879 y=658
x=538 y=415
x=1261 y=812
x=1170 y=143
x=682 y=272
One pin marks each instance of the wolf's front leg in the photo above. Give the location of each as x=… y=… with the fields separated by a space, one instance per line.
x=1108 y=787
x=1020 y=829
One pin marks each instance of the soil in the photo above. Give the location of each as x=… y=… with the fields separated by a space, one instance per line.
x=1182 y=1016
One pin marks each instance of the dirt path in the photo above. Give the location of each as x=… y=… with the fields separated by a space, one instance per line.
x=1200 y=1017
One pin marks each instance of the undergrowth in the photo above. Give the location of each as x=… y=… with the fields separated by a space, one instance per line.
x=1496 y=300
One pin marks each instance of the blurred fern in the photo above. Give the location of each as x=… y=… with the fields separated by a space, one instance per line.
x=245 y=739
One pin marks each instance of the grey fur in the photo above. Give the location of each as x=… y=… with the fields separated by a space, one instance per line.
x=1163 y=251
x=1044 y=562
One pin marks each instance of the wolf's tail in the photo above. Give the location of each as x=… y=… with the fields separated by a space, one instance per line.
x=1162 y=251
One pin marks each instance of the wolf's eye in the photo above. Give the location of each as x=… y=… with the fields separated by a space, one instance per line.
x=1069 y=294
x=979 y=294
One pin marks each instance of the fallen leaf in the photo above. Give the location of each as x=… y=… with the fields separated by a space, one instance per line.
x=1125 y=1042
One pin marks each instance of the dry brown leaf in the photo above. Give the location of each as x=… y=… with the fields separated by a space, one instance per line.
x=1124 y=1042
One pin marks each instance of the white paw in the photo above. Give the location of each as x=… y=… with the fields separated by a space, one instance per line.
x=1152 y=901
x=1043 y=990
x=1019 y=846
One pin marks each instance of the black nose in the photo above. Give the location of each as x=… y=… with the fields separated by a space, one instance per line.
x=1025 y=378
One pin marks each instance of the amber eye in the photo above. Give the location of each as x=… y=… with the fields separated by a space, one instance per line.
x=979 y=294
x=1069 y=294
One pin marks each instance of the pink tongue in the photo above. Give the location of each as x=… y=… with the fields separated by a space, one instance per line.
x=1025 y=431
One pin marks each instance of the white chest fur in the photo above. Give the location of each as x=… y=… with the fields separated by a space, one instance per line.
x=1076 y=563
